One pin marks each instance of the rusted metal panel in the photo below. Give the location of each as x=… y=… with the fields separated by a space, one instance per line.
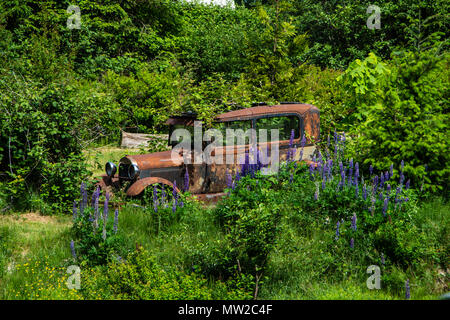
x=162 y=159
x=250 y=113
x=139 y=186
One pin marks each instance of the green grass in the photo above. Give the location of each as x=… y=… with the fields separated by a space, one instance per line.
x=31 y=240
x=34 y=254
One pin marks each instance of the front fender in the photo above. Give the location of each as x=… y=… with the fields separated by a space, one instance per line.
x=139 y=186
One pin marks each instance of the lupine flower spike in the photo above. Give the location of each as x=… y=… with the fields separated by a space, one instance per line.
x=74 y=210
x=105 y=207
x=186 y=181
x=72 y=249
x=354 y=222
x=116 y=220
x=175 y=196
x=155 y=199
x=385 y=206
x=407 y=290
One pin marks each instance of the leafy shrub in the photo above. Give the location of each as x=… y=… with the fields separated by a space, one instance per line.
x=141 y=277
x=403 y=115
x=96 y=236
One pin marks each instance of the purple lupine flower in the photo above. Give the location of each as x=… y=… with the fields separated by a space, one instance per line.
x=74 y=210
x=238 y=176
x=303 y=141
x=356 y=170
x=163 y=197
x=291 y=142
x=174 y=205
x=330 y=169
x=380 y=196
x=402 y=178
x=316 y=196
x=381 y=180
x=291 y=178
x=407 y=184
x=342 y=182
x=229 y=179
x=371 y=170
x=386 y=176
x=337 y=230
x=356 y=189
x=72 y=249
x=174 y=193
x=96 y=197
x=391 y=170
x=364 y=191
x=407 y=290
x=258 y=160
x=105 y=207
x=388 y=190
x=354 y=222
x=382 y=258
x=181 y=204
x=385 y=206
x=186 y=180
x=116 y=220
x=350 y=173
x=375 y=184
x=397 y=193
x=341 y=167
x=402 y=165
x=311 y=171
x=93 y=199
x=245 y=165
x=352 y=243
x=155 y=199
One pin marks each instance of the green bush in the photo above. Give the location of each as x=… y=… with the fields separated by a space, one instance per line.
x=141 y=277
x=96 y=239
x=402 y=115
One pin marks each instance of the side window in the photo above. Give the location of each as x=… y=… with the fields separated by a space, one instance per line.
x=284 y=124
x=238 y=132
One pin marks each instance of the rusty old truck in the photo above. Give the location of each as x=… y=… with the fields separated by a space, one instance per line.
x=207 y=181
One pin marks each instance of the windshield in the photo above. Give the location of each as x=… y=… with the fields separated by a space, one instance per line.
x=223 y=133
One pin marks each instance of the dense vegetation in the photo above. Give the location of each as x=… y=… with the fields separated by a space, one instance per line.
x=132 y=64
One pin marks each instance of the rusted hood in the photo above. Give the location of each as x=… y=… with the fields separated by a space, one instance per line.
x=162 y=159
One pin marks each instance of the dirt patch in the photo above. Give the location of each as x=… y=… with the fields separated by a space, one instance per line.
x=29 y=217
x=36 y=217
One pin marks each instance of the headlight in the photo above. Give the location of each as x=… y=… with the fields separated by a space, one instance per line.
x=133 y=171
x=110 y=169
